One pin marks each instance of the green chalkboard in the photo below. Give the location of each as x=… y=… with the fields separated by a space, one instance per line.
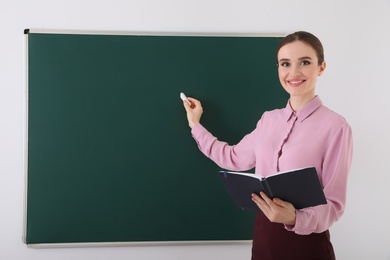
x=110 y=154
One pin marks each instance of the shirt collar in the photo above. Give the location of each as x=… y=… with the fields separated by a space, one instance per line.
x=305 y=111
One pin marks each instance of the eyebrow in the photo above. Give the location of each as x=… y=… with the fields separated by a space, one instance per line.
x=302 y=58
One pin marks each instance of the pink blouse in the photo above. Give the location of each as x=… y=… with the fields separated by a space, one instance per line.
x=285 y=140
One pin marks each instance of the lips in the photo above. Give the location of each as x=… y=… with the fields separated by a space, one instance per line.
x=296 y=82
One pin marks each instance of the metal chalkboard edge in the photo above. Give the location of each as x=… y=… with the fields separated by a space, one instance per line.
x=154 y=33
x=135 y=244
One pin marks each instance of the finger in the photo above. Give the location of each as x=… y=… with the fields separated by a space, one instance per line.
x=266 y=198
x=256 y=198
x=193 y=102
x=186 y=105
x=280 y=202
x=260 y=202
x=254 y=195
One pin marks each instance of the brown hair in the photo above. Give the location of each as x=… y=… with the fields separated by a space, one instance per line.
x=307 y=38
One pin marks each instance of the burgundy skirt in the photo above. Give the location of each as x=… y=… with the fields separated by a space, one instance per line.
x=273 y=241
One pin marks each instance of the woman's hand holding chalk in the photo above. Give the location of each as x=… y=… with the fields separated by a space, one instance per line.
x=184 y=98
x=194 y=109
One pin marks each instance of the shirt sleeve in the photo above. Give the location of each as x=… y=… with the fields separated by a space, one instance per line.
x=335 y=170
x=239 y=157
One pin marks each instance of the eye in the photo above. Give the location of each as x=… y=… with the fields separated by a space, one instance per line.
x=285 y=64
x=305 y=62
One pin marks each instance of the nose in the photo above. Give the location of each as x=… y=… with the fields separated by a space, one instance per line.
x=295 y=70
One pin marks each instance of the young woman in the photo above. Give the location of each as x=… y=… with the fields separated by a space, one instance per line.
x=304 y=133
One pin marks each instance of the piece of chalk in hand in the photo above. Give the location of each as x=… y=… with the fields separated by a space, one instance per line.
x=184 y=98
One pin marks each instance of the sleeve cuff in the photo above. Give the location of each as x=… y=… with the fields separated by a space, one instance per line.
x=197 y=130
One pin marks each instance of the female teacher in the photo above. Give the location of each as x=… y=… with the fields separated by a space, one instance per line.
x=304 y=133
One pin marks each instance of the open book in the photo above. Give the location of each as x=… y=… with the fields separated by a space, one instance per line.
x=300 y=187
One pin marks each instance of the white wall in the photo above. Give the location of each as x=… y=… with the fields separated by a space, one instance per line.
x=356 y=37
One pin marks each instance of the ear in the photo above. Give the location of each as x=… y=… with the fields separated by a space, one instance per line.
x=322 y=68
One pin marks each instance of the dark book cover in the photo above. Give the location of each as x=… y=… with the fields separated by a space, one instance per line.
x=300 y=187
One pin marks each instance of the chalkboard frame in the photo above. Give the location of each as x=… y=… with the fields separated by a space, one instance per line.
x=71 y=244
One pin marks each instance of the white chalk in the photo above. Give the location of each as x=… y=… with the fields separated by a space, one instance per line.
x=184 y=98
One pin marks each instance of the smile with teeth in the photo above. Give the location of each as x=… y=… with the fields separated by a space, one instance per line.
x=295 y=82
